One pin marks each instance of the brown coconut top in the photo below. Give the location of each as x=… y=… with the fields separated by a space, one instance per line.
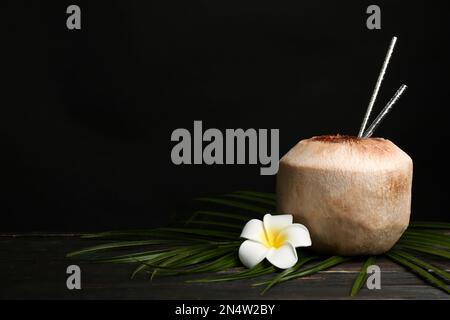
x=347 y=153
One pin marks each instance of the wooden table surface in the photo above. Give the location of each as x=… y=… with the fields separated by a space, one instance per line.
x=34 y=267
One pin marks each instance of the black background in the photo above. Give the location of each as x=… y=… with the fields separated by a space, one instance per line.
x=86 y=116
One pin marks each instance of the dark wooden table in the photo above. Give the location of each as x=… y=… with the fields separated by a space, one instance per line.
x=34 y=267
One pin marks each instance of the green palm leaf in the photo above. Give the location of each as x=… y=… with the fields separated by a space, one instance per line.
x=281 y=275
x=203 y=232
x=216 y=223
x=187 y=249
x=236 y=204
x=444 y=274
x=220 y=215
x=264 y=201
x=265 y=195
x=425 y=249
x=323 y=265
x=429 y=225
x=257 y=271
x=115 y=245
x=419 y=271
x=362 y=276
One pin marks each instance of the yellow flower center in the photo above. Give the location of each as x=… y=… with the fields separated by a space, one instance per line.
x=272 y=239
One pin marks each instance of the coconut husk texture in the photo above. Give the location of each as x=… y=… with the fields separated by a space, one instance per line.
x=353 y=194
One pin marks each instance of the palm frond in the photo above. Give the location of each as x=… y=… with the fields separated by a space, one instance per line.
x=424 y=248
x=419 y=271
x=362 y=276
x=264 y=201
x=426 y=236
x=216 y=223
x=205 y=232
x=257 y=271
x=265 y=195
x=236 y=204
x=429 y=225
x=208 y=242
x=277 y=279
x=323 y=265
x=216 y=214
x=116 y=245
x=426 y=266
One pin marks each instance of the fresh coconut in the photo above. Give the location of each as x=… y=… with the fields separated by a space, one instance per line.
x=353 y=194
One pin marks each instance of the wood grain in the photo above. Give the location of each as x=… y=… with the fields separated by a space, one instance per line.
x=33 y=266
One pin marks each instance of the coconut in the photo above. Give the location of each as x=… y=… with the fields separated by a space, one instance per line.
x=353 y=194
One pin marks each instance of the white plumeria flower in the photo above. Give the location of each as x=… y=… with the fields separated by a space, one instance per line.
x=274 y=238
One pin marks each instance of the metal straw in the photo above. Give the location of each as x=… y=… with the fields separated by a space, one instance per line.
x=377 y=86
x=384 y=112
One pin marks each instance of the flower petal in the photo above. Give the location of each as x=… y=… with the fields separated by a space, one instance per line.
x=278 y=222
x=283 y=257
x=254 y=230
x=251 y=253
x=297 y=234
x=274 y=224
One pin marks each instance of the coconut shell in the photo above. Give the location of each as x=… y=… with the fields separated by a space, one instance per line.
x=353 y=194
